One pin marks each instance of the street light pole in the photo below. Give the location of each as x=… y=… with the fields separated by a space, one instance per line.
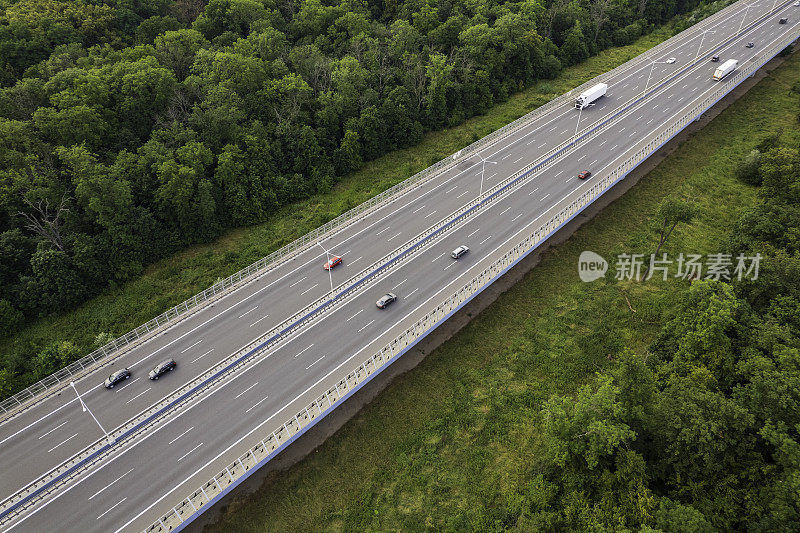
x=580 y=112
x=111 y=440
x=647 y=83
x=701 y=41
x=746 y=11
x=328 y=256
x=483 y=169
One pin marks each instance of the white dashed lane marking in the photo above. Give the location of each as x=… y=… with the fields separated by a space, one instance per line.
x=245 y=390
x=365 y=326
x=187 y=453
x=52 y=430
x=308 y=289
x=259 y=402
x=120 y=477
x=259 y=320
x=306 y=349
x=315 y=362
x=62 y=442
x=129 y=401
x=176 y=438
x=112 y=508
x=247 y=312
x=198 y=358
x=192 y=346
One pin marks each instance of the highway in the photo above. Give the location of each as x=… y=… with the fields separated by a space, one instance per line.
x=131 y=491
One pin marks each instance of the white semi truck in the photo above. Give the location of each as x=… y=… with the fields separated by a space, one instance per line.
x=725 y=69
x=590 y=95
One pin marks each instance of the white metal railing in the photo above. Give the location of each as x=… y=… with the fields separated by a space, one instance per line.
x=272 y=442
x=260 y=267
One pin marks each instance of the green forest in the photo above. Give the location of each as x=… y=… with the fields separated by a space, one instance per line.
x=131 y=129
x=702 y=432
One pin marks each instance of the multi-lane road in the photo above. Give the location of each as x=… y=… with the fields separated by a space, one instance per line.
x=139 y=485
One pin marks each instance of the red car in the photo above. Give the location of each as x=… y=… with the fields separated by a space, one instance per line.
x=583 y=175
x=335 y=260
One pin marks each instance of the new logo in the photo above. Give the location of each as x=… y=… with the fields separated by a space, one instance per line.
x=591 y=266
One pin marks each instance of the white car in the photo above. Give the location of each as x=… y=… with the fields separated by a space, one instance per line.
x=670 y=61
x=458 y=252
x=797 y=4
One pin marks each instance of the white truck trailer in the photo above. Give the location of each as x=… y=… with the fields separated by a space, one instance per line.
x=590 y=95
x=725 y=69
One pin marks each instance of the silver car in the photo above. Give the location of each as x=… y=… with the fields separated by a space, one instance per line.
x=458 y=252
x=385 y=300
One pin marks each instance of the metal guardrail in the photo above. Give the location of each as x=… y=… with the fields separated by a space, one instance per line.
x=264 y=265
x=273 y=442
x=134 y=426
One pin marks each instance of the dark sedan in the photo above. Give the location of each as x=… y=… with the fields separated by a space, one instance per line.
x=117 y=377
x=162 y=368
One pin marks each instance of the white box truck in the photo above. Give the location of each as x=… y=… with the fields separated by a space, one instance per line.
x=590 y=95
x=725 y=69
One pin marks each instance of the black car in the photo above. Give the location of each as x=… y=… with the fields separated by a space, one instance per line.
x=385 y=300
x=162 y=368
x=116 y=377
x=715 y=59
x=749 y=45
x=784 y=20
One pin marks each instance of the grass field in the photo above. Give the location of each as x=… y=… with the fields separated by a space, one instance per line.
x=172 y=280
x=452 y=444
